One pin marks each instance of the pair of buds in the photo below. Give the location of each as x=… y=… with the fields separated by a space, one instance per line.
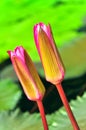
x=53 y=68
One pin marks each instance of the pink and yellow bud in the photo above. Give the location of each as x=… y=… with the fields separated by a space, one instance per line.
x=27 y=74
x=49 y=55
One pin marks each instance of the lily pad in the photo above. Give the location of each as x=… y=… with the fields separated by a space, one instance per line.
x=9 y=94
x=58 y=120
x=20 y=121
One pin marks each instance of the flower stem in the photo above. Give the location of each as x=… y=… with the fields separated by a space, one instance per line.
x=67 y=107
x=41 y=109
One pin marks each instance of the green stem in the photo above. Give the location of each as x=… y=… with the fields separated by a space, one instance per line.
x=41 y=109
x=67 y=107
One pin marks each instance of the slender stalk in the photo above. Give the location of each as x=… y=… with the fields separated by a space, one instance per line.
x=67 y=107
x=41 y=109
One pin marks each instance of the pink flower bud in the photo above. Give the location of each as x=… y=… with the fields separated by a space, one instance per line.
x=27 y=74
x=49 y=55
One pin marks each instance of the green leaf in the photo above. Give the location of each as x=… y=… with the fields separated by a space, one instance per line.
x=9 y=94
x=59 y=120
x=19 y=121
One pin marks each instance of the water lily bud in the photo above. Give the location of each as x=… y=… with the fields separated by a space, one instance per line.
x=49 y=55
x=27 y=74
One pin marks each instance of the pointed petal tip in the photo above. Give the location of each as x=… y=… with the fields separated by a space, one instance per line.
x=9 y=52
x=19 y=48
x=37 y=26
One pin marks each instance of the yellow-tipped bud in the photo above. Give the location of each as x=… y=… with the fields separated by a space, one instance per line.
x=49 y=55
x=27 y=74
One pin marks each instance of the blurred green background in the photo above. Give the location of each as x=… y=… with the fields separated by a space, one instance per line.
x=17 y=18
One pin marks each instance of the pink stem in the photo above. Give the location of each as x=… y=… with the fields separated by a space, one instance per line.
x=67 y=107
x=41 y=109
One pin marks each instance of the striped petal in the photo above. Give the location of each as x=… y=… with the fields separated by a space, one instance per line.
x=27 y=74
x=49 y=55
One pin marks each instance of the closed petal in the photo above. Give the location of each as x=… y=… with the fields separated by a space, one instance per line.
x=49 y=59
x=27 y=74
